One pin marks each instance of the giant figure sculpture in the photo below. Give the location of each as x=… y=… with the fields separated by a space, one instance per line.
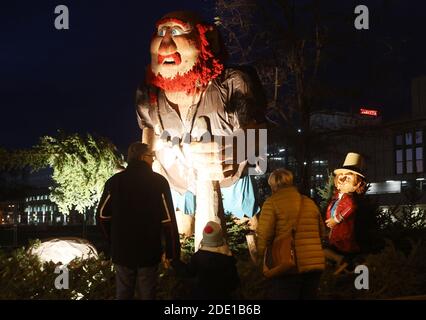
x=349 y=182
x=187 y=94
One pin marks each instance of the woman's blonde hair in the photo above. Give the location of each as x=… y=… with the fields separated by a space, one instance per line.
x=280 y=178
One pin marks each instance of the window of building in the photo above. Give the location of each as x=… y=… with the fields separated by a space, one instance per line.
x=409 y=152
x=419 y=159
x=408 y=138
x=399 y=162
x=409 y=160
x=419 y=136
x=398 y=140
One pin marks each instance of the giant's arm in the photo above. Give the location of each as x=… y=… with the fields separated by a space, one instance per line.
x=145 y=122
x=345 y=209
x=247 y=105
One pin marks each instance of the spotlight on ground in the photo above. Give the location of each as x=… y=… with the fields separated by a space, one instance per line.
x=63 y=250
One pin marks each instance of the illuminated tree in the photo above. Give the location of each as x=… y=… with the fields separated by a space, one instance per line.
x=81 y=165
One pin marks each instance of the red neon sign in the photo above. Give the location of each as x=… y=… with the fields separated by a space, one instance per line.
x=369 y=112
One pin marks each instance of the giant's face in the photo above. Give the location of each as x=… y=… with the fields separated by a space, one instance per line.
x=174 y=49
x=346 y=182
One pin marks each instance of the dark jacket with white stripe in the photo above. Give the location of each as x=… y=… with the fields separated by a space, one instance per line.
x=137 y=204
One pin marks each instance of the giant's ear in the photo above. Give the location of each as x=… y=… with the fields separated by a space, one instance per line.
x=361 y=187
x=357 y=185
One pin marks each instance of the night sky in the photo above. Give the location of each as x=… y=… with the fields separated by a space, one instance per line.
x=80 y=80
x=84 y=79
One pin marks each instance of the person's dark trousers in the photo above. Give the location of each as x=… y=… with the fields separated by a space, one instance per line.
x=302 y=286
x=144 y=280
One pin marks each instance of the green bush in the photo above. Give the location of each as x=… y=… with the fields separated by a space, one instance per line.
x=392 y=274
x=23 y=276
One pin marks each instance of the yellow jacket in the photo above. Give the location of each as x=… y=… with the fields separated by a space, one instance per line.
x=278 y=215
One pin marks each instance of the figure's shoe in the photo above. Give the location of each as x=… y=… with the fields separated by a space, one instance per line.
x=341 y=268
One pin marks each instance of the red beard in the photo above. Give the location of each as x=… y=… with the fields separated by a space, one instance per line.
x=205 y=69
x=195 y=79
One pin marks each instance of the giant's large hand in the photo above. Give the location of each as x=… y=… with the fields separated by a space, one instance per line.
x=211 y=158
x=208 y=159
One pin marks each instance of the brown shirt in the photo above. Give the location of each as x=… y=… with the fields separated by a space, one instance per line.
x=230 y=102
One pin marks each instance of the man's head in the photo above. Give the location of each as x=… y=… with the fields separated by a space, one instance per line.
x=139 y=151
x=184 y=53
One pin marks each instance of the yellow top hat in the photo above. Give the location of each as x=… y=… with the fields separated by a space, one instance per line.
x=353 y=163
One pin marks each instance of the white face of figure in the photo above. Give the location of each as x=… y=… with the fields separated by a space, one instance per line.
x=346 y=182
x=173 y=49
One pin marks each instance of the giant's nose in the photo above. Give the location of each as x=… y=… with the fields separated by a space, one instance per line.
x=342 y=178
x=167 y=45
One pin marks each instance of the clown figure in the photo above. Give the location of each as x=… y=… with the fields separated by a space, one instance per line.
x=187 y=100
x=341 y=211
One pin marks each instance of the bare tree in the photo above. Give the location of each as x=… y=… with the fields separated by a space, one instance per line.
x=284 y=42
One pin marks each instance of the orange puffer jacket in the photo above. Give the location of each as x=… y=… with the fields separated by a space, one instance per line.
x=278 y=215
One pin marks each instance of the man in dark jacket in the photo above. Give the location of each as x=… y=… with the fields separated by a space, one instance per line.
x=138 y=204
